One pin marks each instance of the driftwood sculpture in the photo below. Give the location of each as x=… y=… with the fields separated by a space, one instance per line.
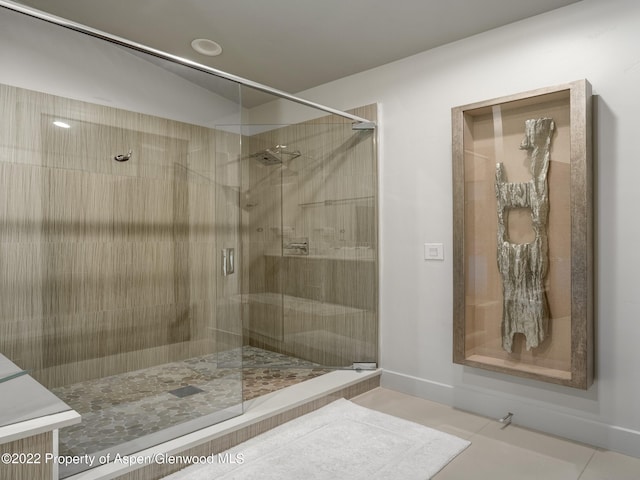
x=523 y=267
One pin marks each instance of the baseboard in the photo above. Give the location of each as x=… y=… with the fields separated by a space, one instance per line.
x=418 y=387
x=528 y=413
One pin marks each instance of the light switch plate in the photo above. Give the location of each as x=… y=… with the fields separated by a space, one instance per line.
x=433 y=251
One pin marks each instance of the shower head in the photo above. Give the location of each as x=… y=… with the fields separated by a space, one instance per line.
x=267 y=157
x=274 y=155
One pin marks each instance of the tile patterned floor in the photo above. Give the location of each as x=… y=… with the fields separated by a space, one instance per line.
x=504 y=454
x=124 y=407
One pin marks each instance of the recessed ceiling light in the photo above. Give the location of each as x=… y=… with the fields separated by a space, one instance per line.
x=206 y=47
x=60 y=124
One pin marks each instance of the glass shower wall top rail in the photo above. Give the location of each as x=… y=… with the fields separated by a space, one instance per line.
x=360 y=123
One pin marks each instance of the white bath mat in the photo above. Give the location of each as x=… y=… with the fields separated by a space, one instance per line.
x=340 y=441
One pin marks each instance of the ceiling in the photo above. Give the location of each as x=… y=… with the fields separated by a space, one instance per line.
x=293 y=45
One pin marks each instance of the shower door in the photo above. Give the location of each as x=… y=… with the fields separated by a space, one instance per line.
x=112 y=217
x=310 y=208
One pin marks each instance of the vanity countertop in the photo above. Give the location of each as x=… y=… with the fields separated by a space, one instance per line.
x=26 y=407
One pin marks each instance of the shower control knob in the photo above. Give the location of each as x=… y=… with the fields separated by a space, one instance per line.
x=123 y=158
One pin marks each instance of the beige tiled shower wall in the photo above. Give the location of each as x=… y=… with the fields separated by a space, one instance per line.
x=106 y=267
x=321 y=306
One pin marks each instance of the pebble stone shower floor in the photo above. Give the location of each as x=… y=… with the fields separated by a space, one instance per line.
x=123 y=407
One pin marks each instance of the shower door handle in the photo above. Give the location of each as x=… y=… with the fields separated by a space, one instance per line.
x=228 y=261
x=231 y=261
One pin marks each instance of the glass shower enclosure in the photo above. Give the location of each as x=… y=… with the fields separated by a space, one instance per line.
x=309 y=241
x=158 y=251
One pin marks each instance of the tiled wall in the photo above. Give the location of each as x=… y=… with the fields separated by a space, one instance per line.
x=105 y=266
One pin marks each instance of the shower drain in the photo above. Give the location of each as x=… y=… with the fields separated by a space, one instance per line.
x=185 y=391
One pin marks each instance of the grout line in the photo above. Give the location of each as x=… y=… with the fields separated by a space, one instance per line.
x=486 y=425
x=587 y=464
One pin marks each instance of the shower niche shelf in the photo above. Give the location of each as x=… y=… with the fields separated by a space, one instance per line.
x=337 y=201
x=522 y=253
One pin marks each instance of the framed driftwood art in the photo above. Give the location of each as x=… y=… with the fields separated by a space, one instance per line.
x=523 y=235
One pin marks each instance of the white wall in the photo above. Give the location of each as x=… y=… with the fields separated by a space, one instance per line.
x=594 y=39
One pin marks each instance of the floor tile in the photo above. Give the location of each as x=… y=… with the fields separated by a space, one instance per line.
x=538 y=443
x=489 y=459
x=605 y=465
x=431 y=414
x=495 y=453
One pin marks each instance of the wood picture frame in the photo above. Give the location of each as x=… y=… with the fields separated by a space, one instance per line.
x=523 y=235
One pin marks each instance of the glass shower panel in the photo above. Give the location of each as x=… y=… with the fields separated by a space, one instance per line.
x=310 y=206
x=115 y=203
